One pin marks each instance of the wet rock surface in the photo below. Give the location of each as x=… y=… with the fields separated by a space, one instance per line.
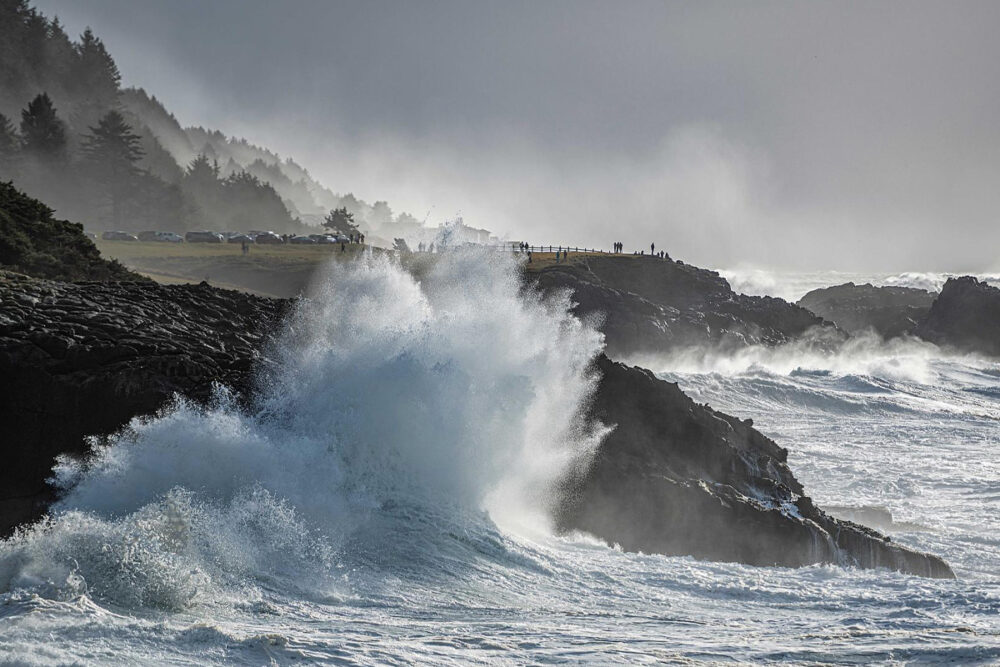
x=965 y=317
x=678 y=478
x=673 y=477
x=888 y=311
x=648 y=305
x=81 y=359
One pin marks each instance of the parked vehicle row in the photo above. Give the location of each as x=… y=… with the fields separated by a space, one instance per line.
x=208 y=236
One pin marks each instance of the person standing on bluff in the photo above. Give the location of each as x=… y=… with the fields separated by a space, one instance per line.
x=652 y=249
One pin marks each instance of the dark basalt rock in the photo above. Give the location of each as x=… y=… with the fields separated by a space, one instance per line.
x=888 y=311
x=652 y=305
x=81 y=359
x=674 y=477
x=964 y=317
x=678 y=478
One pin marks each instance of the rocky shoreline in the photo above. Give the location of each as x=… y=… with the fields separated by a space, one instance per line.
x=81 y=359
x=647 y=305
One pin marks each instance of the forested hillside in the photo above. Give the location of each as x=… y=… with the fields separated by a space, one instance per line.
x=116 y=158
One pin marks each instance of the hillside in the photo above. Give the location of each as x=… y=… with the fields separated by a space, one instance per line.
x=116 y=158
x=35 y=243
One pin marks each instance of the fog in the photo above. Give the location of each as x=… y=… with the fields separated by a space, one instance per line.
x=849 y=136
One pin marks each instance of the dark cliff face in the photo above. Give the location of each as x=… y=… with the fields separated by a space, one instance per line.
x=888 y=311
x=964 y=317
x=651 y=305
x=679 y=478
x=673 y=477
x=81 y=359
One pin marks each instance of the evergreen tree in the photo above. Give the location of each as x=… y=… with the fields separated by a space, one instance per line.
x=340 y=220
x=8 y=148
x=8 y=138
x=96 y=80
x=43 y=135
x=111 y=154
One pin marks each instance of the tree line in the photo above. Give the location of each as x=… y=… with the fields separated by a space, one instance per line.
x=75 y=146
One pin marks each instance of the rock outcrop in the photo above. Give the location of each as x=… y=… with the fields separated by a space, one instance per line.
x=888 y=311
x=965 y=317
x=652 y=305
x=679 y=478
x=81 y=359
x=673 y=477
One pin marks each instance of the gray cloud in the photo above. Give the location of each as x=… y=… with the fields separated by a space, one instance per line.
x=835 y=135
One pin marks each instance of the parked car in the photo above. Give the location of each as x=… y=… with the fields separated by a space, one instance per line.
x=239 y=238
x=301 y=239
x=322 y=238
x=162 y=237
x=267 y=237
x=118 y=236
x=203 y=237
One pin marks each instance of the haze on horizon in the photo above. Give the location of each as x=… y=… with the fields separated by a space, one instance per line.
x=852 y=136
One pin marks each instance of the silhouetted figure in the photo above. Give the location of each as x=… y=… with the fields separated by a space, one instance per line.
x=343 y=247
x=652 y=249
x=243 y=245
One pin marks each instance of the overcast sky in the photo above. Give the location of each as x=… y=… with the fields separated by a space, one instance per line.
x=848 y=135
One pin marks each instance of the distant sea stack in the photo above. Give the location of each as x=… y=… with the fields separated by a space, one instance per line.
x=888 y=311
x=651 y=305
x=964 y=317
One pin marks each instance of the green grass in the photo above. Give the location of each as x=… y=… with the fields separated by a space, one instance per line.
x=270 y=270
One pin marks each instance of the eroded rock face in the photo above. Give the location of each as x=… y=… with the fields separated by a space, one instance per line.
x=81 y=359
x=888 y=311
x=678 y=478
x=964 y=317
x=673 y=477
x=651 y=305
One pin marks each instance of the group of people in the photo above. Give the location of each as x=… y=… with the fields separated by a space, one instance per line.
x=619 y=248
x=422 y=247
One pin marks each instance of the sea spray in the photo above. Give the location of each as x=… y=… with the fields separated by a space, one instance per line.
x=394 y=404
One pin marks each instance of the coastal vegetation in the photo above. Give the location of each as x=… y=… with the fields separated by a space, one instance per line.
x=116 y=158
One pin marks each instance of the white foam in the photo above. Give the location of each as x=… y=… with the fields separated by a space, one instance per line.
x=456 y=392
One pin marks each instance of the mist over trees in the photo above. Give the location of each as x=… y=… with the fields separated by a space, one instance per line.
x=118 y=159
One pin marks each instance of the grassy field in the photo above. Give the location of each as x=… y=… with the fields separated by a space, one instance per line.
x=268 y=270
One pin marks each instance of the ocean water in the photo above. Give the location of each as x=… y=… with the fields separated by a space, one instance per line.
x=386 y=503
x=793 y=285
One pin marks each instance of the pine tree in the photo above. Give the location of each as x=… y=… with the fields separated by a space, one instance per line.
x=43 y=135
x=111 y=154
x=8 y=137
x=340 y=220
x=8 y=148
x=96 y=79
